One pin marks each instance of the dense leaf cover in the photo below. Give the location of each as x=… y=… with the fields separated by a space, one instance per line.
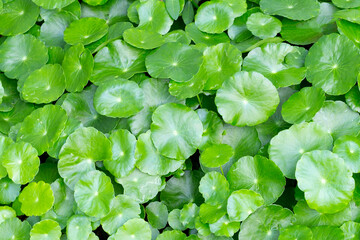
x=179 y=119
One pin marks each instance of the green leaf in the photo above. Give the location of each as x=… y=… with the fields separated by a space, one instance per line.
x=176 y=131
x=294 y=10
x=21 y=162
x=181 y=190
x=304 y=215
x=348 y=148
x=172 y=234
x=93 y=193
x=150 y=161
x=327 y=233
x=224 y=227
x=351 y=230
x=309 y=31
x=188 y=13
x=220 y=63
x=144 y=39
x=157 y=214
x=295 y=232
x=123 y=147
x=10 y=95
x=45 y=229
x=133 y=229
x=289 y=145
x=207 y=38
x=265 y=223
x=258 y=174
x=174 y=7
x=188 y=214
x=338 y=119
x=350 y=30
x=174 y=220
x=15 y=116
x=263 y=26
x=14 y=228
x=51 y=4
x=214 y=17
x=78 y=65
x=85 y=31
x=118 y=98
x=18 y=17
x=346 y=3
x=333 y=64
x=213 y=128
x=44 y=85
x=216 y=155
x=80 y=106
x=153 y=16
x=117 y=60
x=78 y=227
x=42 y=128
x=325 y=180
x=6 y=212
x=141 y=186
x=64 y=198
x=211 y=213
x=95 y=2
x=122 y=209
x=242 y=203
x=214 y=187
x=77 y=158
x=36 y=199
x=247 y=99
x=22 y=54
x=9 y=191
x=303 y=105
x=174 y=60
x=281 y=63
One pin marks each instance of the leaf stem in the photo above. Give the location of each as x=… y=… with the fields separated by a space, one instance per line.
x=194 y=4
x=199 y=100
x=222 y=171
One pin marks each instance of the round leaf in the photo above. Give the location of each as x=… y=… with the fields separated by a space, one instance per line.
x=9 y=191
x=122 y=209
x=348 y=148
x=263 y=26
x=85 y=31
x=44 y=85
x=134 y=229
x=214 y=17
x=22 y=54
x=123 y=147
x=265 y=223
x=17 y=16
x=21 y=162
x=303 y=105
x=45 y=229
x=150 y=161
x=93 y=193
x=174 y=60
x=51 y=4
x=78 y=64
x=157 y=214
x=36 y=198
x=242 y=203
x=42 y=128
x=247 y=99
x=176 y=131
x=216 y=155
x=295 y=232
x=289 y=145
x=295 y=10
x=214 y=187
x=77 y=158
x=143 y=38
x=258 y=174
x=338 y=119
x=333 y=64
x=118 y=98
x=325 y=180
x=13 y=228
x=78 y=227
